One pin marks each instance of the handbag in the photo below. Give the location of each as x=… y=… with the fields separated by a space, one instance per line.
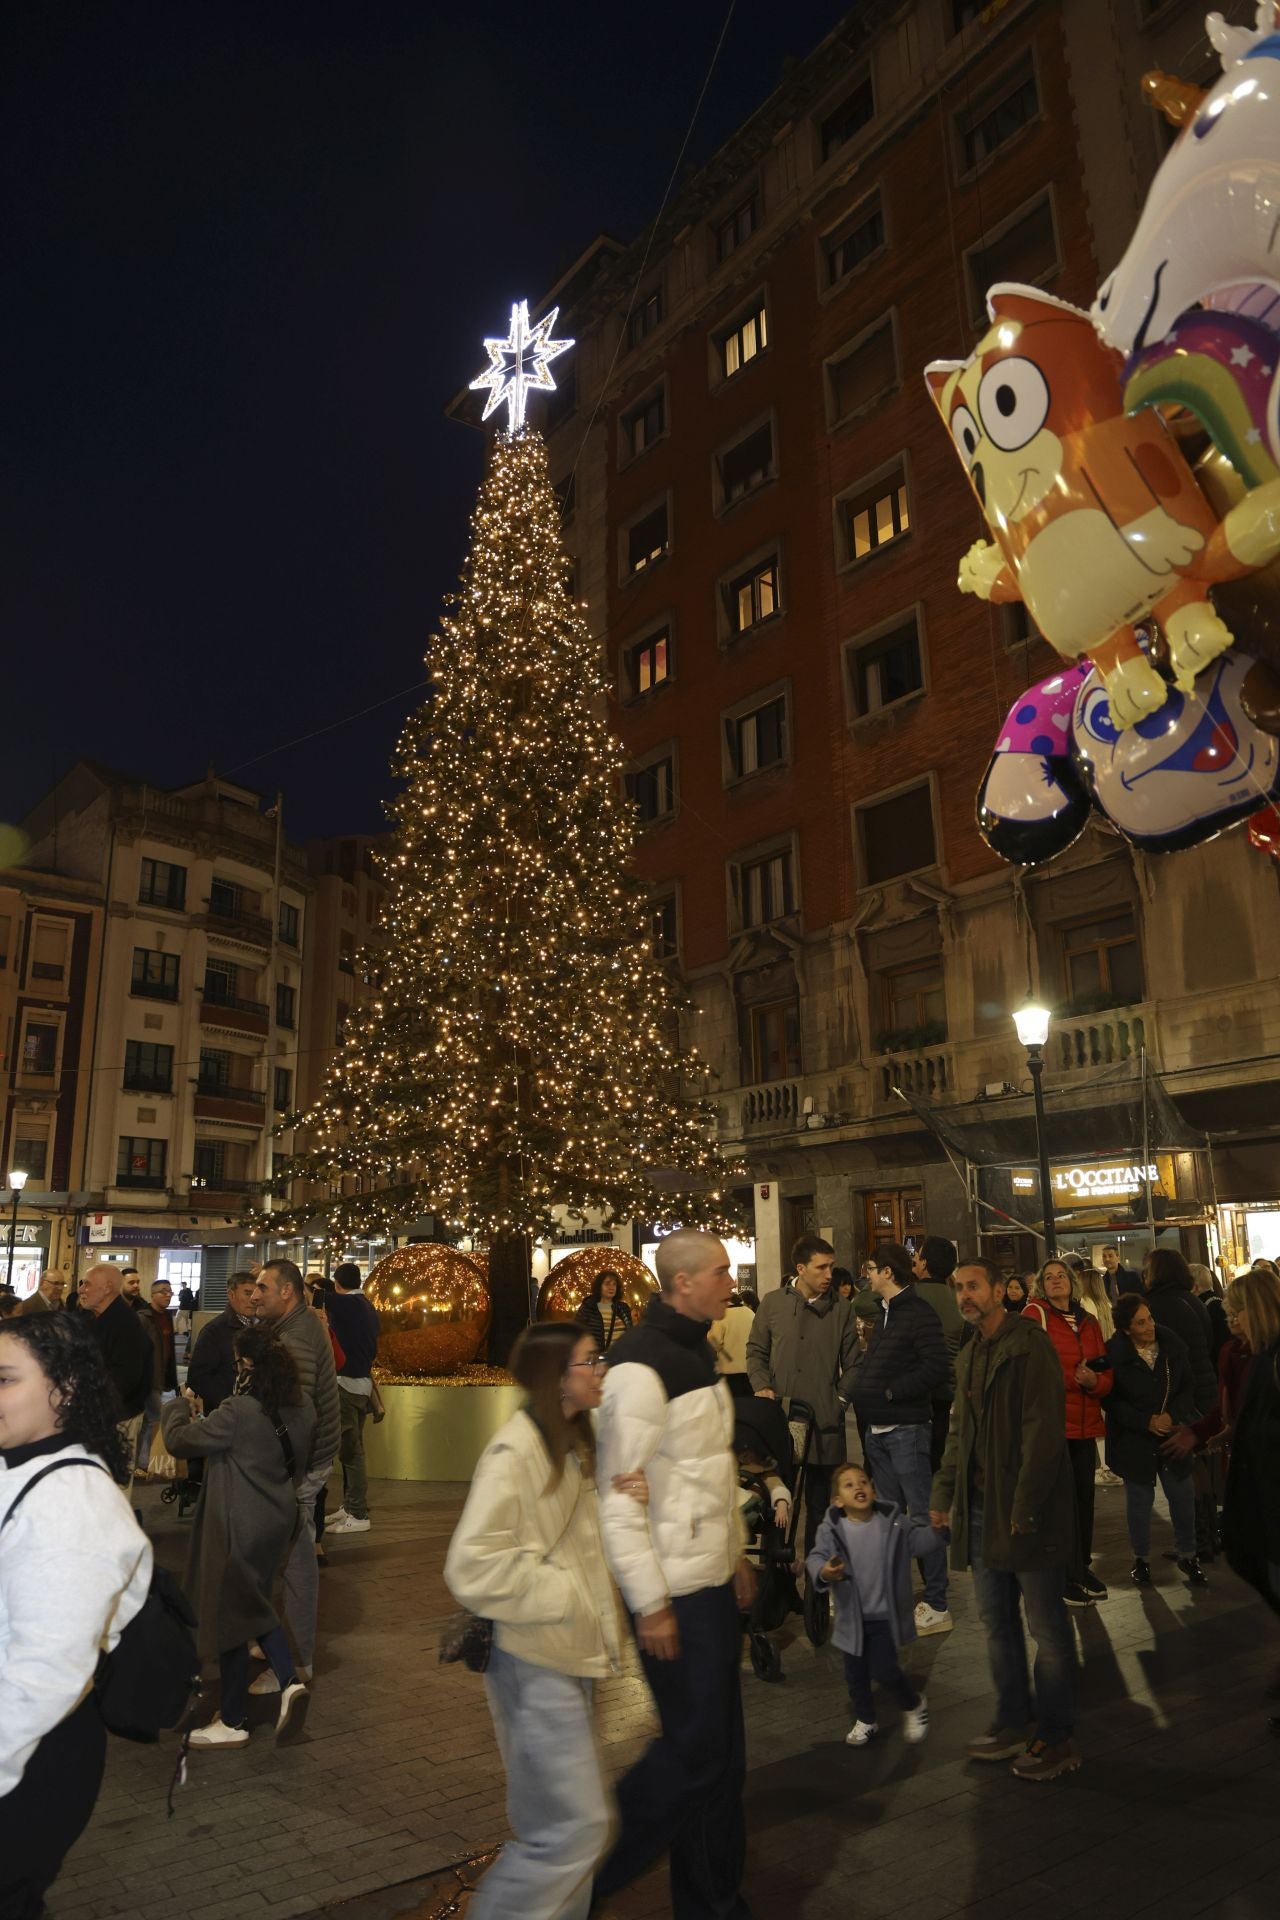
x=468 y=1636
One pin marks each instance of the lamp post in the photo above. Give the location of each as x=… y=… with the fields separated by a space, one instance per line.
x=17 y=1181
x=1032 y=1023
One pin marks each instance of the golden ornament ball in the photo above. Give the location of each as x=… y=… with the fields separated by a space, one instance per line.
x=571 y=1280
x=433 y=1310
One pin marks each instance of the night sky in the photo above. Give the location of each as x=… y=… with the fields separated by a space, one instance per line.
x=250 y=251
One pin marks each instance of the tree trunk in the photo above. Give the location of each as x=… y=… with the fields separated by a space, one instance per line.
x=509 y=1289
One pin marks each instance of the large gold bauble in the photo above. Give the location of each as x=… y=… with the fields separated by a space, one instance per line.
x=433 y=1310
x=571 y=1280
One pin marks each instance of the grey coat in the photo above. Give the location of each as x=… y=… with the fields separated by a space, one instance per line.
x=247 y=1516
x=308 y=1342
x=800 y=1349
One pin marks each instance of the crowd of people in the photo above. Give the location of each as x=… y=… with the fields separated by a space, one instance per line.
x=945 y=1417
x=277 y=1391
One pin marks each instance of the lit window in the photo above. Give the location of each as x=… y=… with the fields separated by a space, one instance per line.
x=649 y=662
x=752 y=597
x=40 y=1049
x=744 y=340
x=874 y=517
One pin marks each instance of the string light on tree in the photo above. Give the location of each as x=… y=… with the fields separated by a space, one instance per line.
x=519 y=362
x=520 y=1052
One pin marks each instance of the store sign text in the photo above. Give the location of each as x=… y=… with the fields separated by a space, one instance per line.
x=1110 y=1180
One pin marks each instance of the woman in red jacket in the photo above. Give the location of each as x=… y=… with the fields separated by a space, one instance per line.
x=1078 y=1340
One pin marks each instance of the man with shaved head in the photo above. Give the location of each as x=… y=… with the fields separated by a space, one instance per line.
x=679 y=1562
x=127 y=1351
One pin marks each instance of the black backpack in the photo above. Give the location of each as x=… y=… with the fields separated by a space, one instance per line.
x=146 y=1684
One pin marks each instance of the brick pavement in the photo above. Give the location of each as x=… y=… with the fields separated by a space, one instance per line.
x=1173 y=1814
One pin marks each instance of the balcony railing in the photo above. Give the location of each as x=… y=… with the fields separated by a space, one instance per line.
x=225 y=918
x=237 y=1016
x=927 y=1075
x=1090 y=1040
x=766 y=1108
x=153 y=1181
x=223 y=1090
x=219 y=1183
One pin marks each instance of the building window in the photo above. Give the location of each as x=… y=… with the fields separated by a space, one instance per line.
x=557 y=406
x=226 y=899
x=863 y=374
x=644 y=423
x=764 y=889
x=736 y=228
x=341 y=1018
x=646 y=315
x=853 y=113
x=208 y=1164
x=752 y=597
x=50 y=943
x=897 y=835
x=155 y=975
x=40 y=1049
x=286 y=1000
x=653 y=789
x=1024 y=251
x=647 y=540
x=140 y=1162
x=282 y=1089
x=664 y=939
x=1103 y=963
x=861 y=235
x=775 y=1041
x=566 y=493
x=1017 y=628
x=757 y=740
x=29 y=1154
x=288 y=923
x=221 y=980
x=148 y=1067
x=648 y=662
x=347 y=953
x=740 y=343
x=885 y=667
x=914 y=1003
x=874 y=516
x=215 y=1069
x=161 y=884
x=998 y=117
x=746 y=465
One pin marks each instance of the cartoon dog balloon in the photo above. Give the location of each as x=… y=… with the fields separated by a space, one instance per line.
x=1098 y=521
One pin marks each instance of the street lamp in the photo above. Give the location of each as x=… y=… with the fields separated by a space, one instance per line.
x=17 y=1181
x=1032 y=1023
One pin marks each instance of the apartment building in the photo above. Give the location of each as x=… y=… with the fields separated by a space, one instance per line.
x=50 y=944
x=194 y=1009
x=766 y=522
x=346 y=914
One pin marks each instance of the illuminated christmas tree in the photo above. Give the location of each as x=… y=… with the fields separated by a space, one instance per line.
x=519 y=1054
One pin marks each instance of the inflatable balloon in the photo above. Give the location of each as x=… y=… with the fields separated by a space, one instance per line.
x=1264 y=831
x=1033 y=801
x=1097 y=517
x=1208 y=225
x=1184 y=773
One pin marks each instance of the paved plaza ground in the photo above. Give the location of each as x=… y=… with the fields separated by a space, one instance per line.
x=1174 y=1813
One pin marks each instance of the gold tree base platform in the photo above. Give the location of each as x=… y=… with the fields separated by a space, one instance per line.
x=437 y=1428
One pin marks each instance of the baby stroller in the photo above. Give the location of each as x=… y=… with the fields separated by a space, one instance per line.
x=762 y=1442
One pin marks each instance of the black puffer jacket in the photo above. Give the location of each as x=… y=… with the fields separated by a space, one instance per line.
x=1174 y=1310
x=590 y=1317
x=1137 y=1392
x=905 y=1363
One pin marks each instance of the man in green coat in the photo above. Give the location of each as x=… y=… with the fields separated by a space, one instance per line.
x=1005 y=1490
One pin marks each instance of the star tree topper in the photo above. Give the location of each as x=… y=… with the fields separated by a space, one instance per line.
x=519 y=362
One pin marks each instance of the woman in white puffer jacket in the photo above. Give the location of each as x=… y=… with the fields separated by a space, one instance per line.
x=527 y=1555
x=75 y=1568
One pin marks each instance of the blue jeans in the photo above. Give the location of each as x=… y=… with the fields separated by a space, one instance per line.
x=233 y=1705
x=556 y=1802
x=899 y=1463
x=1180 y=1492
x=878 y=1663
x=998 y=1594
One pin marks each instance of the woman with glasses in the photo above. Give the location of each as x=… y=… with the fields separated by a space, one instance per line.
x=527 y=1556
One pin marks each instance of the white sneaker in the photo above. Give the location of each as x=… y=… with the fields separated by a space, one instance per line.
x=1105 y=1478
x=255 y=1651
x=347 y=1524
x=294 y=1702
x=930 y=1620
x=915 y=1723
x=216 y=1735
x=860 y=1732
x=332 y=1519
x=267 y=1682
